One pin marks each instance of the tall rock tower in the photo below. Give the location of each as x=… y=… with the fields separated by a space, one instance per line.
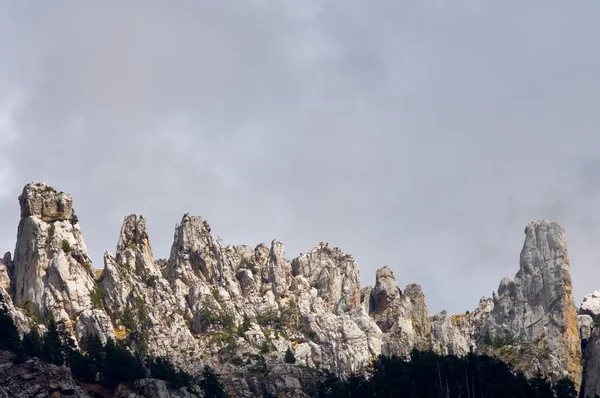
x=52 y=271
x=534 y=313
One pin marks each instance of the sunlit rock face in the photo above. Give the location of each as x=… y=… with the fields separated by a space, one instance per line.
x=535 y=311
x=240 y=307
x=51 y=270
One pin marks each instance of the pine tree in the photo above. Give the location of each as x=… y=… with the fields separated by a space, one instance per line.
x=52 y=348
x=128 y=319
x=289 y=356
x=211 y=384
x=9 y=334
x=32 y=343
x=94 y=353
x=69 y=346
x=121 y=365
x=564 y=388
x=161 y=368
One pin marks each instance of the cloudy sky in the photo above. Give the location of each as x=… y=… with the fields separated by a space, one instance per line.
x=421 y=135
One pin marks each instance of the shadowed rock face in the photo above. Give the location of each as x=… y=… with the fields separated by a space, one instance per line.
x=215 y=304
x=537 y=309
x=591 y=383
x=589 y=318
x=35 y=378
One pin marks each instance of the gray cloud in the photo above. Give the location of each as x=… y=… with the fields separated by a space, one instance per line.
x=422 y=136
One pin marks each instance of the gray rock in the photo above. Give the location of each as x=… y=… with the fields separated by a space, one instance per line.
x=152 y=388
x=591 y=305
x=591 y=373
x=536 y=309
x=34 y=377
x=215 y=304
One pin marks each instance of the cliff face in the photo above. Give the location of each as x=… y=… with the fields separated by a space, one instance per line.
x=536 y=311
x=239 y=308
x=52 y=271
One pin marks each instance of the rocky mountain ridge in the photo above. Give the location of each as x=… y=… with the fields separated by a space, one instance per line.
x=240 y=308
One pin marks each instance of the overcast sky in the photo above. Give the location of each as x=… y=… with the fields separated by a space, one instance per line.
x=421 y=135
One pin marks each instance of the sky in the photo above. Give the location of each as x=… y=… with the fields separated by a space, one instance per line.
x=422 y=135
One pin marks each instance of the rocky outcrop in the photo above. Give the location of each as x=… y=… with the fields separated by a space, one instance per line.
x=52 y=271
x=458 y=334
x=35 y=378
x=403 y=317
x=6 y=266
x=334 y=274
x=43 y=202
x=239 y=309
x=591 y=305
x=534 y=312
x=152 y=388
x=140 y=302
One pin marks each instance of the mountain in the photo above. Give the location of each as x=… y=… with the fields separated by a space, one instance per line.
x=241 y=309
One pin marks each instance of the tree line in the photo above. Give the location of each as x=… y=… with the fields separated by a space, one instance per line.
x=110 y=364
x=425 y=374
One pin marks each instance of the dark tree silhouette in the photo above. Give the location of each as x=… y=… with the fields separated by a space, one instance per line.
x=52 y=348
x=289 y=356
x=427 y=374
x=10 y=340
x=211 y=384
x=32 y=343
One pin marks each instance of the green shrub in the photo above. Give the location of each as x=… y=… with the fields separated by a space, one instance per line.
x=270 y=318
x=260 y=366
x=151 y=281
x=51 y=230
x=238 y=361
x=243 y=328
x=289 y=356
x=215 y=293
x=128 y=319
x=74 y=220
x=311 y=334
x=265 y=348
x=66 y=246
x=97 y=296
x=487 y=339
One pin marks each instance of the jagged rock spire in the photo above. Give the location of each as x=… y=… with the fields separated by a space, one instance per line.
x=134 y=247
x=537 y=307
x=52 y=271
x=216 y=303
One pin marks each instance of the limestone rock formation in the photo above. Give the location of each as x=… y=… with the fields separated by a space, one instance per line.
x=239 y=308
x=591 y=305
x=334 y=274
x=140 y=302
x=6 y=266
x=403 y=317
x=458 y=334
x=52 y=271
x=535 y=312
x=152 y=388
